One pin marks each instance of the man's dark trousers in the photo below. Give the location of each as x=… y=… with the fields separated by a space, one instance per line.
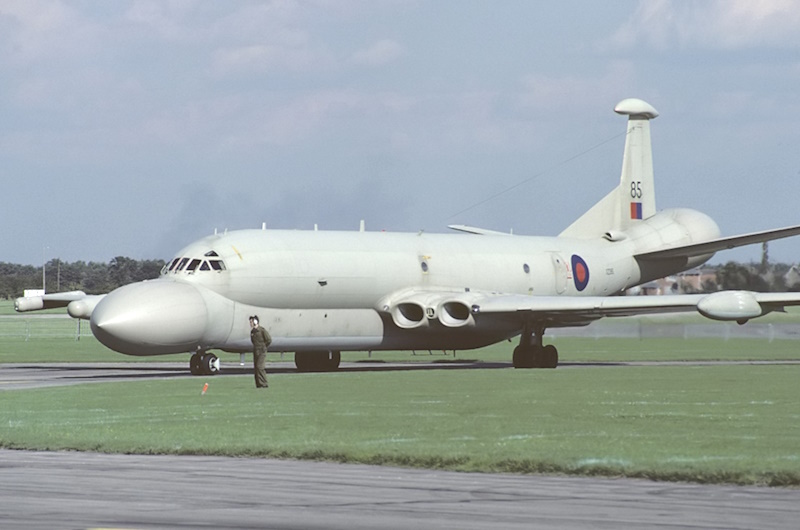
x=260 y=366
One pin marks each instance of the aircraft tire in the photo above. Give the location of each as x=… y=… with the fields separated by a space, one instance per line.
x=302 y=361
x=317 y=361
x=523 y=357
x=549 y=357
x=195 y=365
x=210 y=364
x=334 y=359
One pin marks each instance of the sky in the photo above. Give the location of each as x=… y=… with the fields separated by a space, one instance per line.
x=132 y=128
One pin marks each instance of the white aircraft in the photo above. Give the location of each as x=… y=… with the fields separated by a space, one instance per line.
x=323 y=292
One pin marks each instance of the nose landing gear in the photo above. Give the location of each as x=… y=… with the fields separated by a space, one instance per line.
x=203 y=363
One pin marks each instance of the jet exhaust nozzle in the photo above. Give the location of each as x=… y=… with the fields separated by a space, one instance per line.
x=422 y=309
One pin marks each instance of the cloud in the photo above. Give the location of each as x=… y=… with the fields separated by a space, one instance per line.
x=717 y=24
x=556 y=94
x=165 y=18
x=267 y=58
x=382 y=52
x=37 y=16
x=293 y=120
x=34 y=30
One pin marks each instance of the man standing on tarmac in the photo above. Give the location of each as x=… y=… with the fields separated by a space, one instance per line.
x=261 y=341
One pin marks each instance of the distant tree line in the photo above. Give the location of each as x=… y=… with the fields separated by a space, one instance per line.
x=758 y=277
x=91 y=277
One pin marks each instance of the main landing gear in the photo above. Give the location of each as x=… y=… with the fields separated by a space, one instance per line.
x=531 y=353
x=203 y=363
x=317 y=361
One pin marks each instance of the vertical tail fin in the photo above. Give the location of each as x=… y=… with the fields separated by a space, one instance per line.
x=634 y=199
x=636 y=184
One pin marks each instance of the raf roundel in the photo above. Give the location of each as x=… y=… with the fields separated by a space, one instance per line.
x=580 y=272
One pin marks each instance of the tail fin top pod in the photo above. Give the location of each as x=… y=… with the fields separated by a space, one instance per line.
x=634 y=199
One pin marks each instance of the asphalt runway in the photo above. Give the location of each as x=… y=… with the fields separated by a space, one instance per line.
x=88 y=490
x=37 y=375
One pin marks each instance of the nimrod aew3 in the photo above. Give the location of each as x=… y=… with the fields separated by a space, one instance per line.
x=323 y=292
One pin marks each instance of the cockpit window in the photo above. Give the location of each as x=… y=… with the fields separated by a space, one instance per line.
x=211 y=254
x=217 y=265
x=193 y=265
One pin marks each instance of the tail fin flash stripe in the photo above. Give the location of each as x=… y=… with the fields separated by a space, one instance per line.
x=636 y=210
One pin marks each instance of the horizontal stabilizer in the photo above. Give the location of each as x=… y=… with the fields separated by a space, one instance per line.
x=725 y=243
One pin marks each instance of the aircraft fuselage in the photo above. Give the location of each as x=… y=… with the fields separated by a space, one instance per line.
x=330 y=290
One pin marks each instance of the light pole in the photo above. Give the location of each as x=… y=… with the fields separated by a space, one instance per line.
x=44 y=273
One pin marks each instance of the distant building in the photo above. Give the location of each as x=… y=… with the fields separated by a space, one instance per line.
x=695 y=279
x=668 y=285
x=687 y=282
x=792 y=276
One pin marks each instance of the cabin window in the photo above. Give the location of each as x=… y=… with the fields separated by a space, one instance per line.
x=526 y=268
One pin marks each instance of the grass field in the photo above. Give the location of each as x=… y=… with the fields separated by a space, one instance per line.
x=710 y=423
x=738 y=424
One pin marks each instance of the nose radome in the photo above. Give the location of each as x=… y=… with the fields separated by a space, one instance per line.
x=151 y=318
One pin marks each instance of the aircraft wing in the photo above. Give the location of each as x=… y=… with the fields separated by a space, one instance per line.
x=725 y=243
x=78 y=303
x=557 y=311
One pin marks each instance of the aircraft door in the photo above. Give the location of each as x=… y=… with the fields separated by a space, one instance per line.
x=560 y=272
